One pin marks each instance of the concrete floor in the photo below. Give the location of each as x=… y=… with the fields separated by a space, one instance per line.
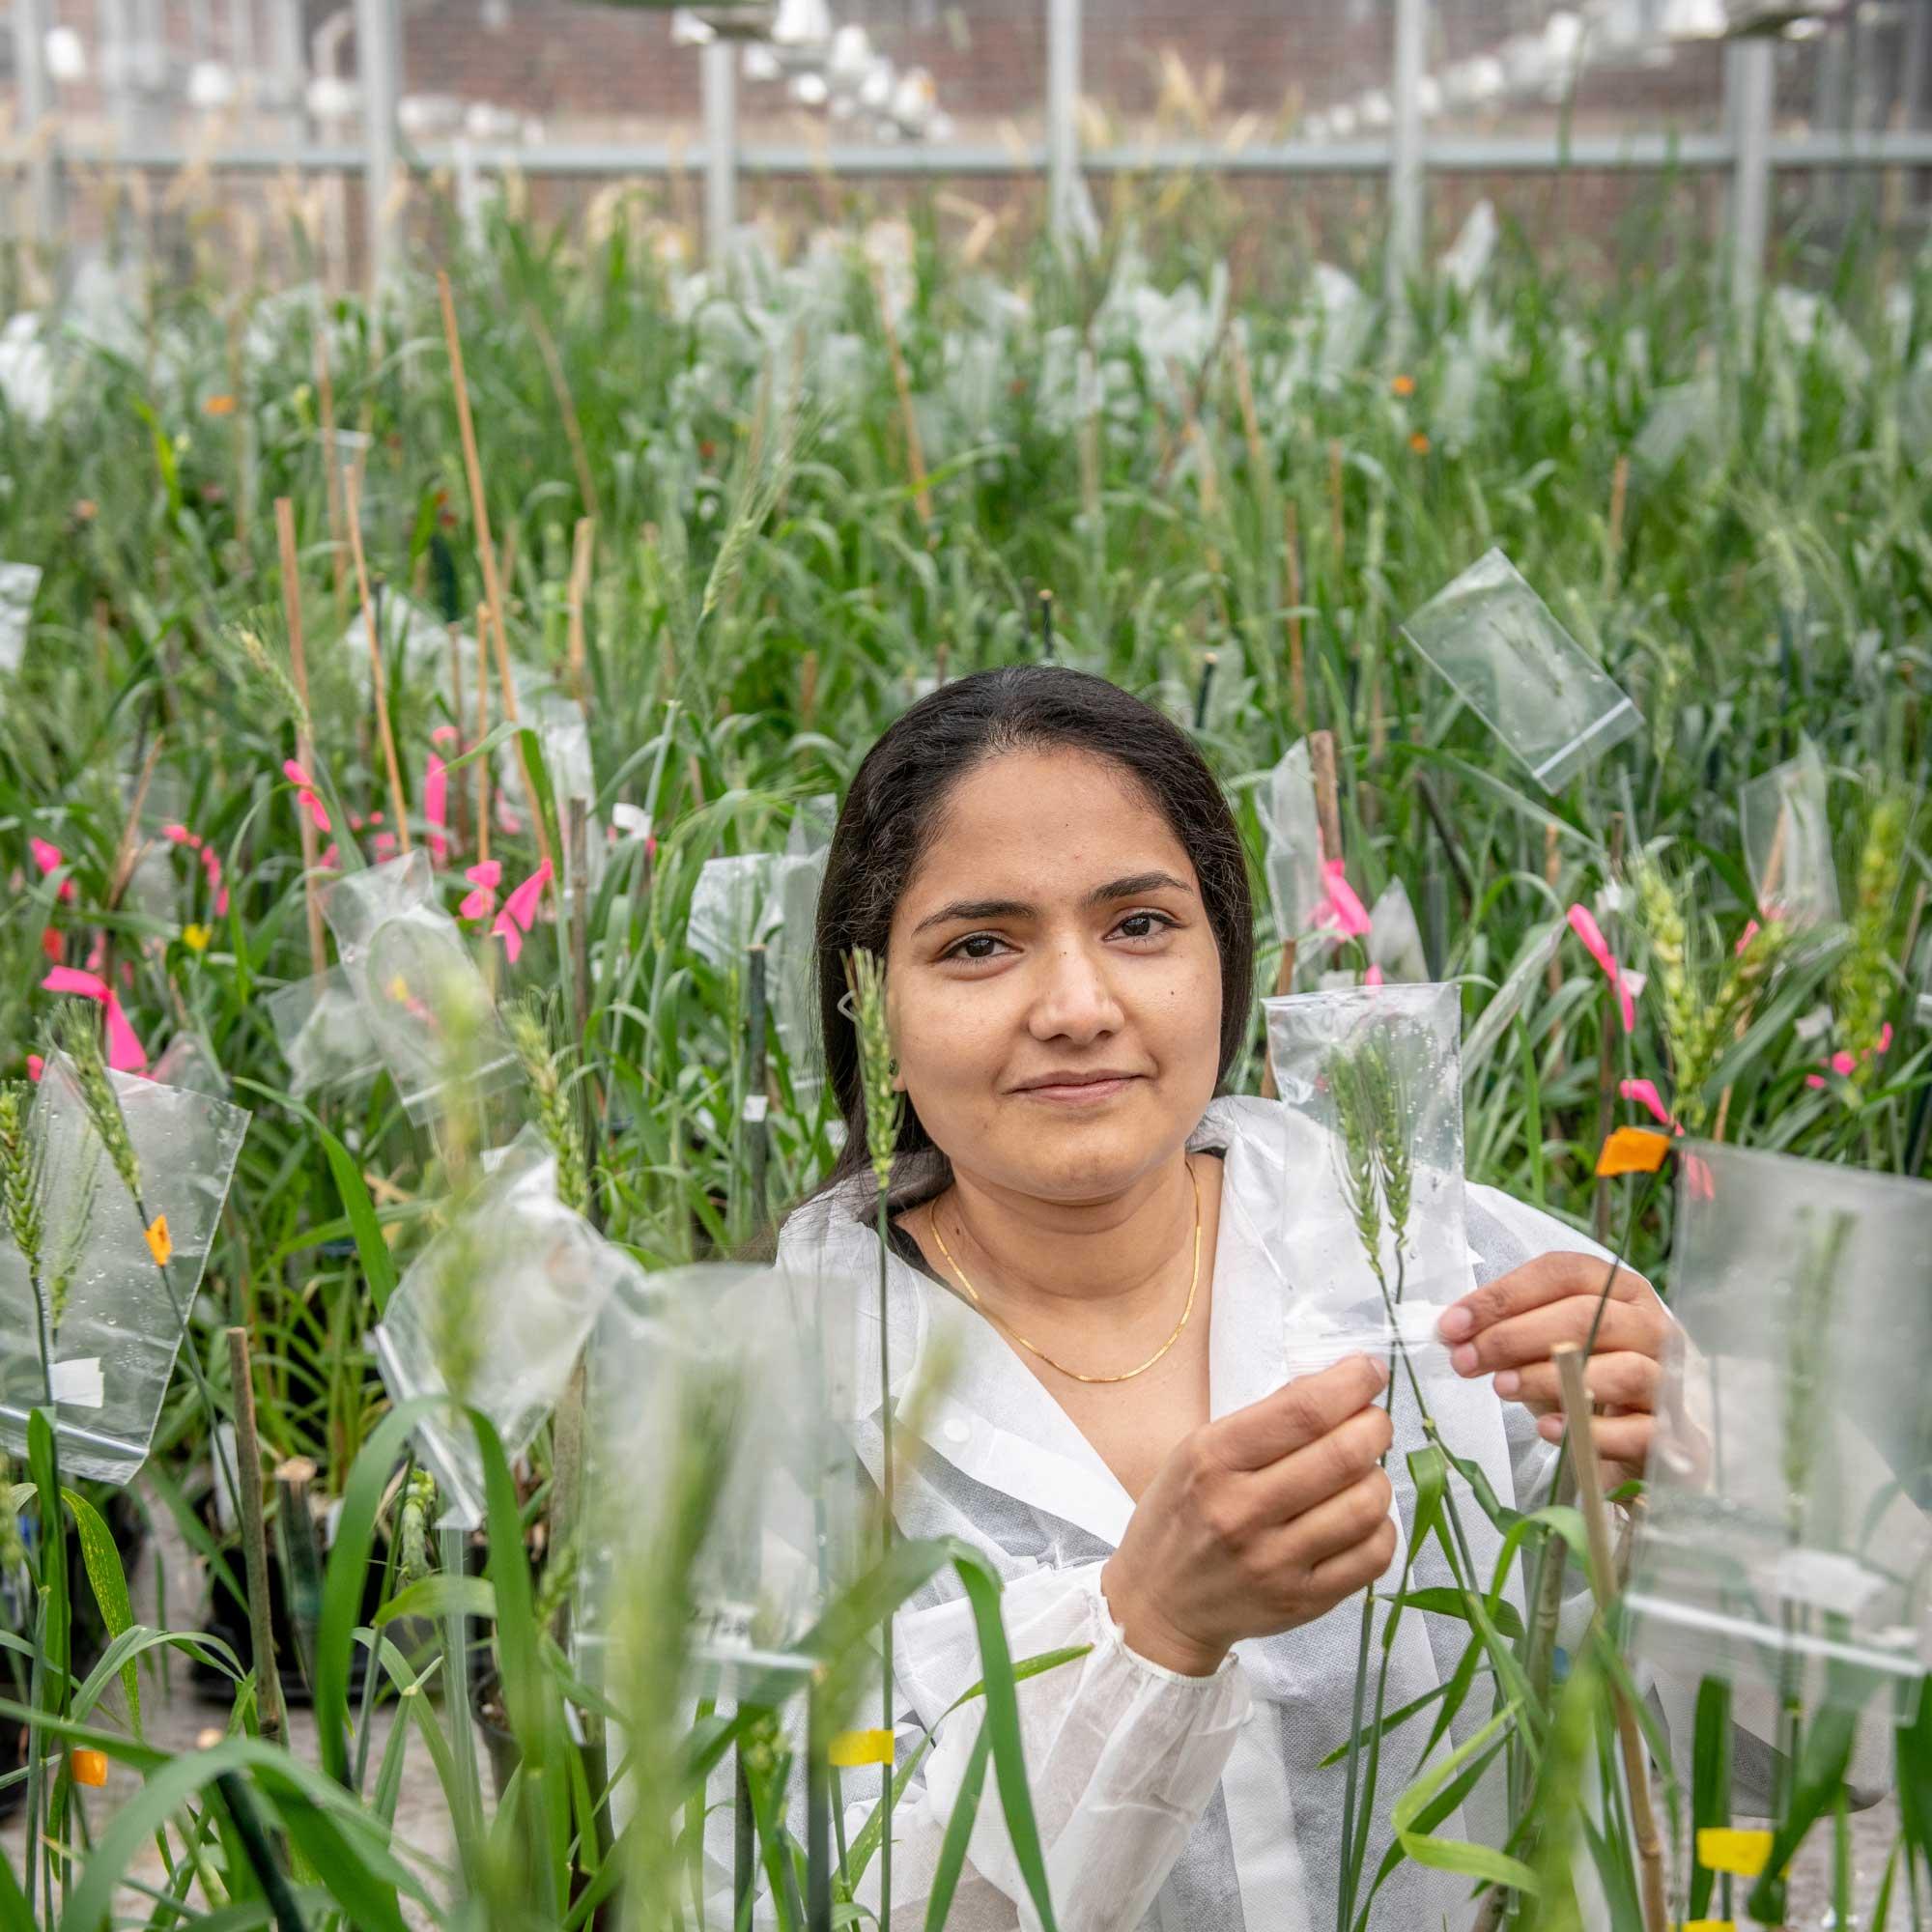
x=176 y=1722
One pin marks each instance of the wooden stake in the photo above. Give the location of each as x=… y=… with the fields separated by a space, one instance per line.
x=583 y=547
x=486 y=555
x=285 y=538
x=1298 y=670
x=1619 y=488
x=1576 y=1415
x=255 y=1541
x=398 y=805
x=1607 y=1060
x=1251 y=423
x=1327 y=803
x=808 y=688
x=909 y=421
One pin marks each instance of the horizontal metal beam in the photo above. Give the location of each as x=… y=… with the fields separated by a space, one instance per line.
x=1640 y=154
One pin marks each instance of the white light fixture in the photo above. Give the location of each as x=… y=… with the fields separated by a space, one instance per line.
x=66 y=57
x=1562 y=37
x=809 y=90
x=1429 y=97
x=1342 y=120
x=331 y=98
x=760 y=62
x=210 y=86
x=1375 y=110
x=687 y=30
x=875 y=89
x=851 y=55
x=802 y=23
x=1487 y=78
x=1695 y=20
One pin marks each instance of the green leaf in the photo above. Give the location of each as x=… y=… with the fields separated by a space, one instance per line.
x=103 y=1563
x=378 y=1267
x=1710 y=1778
x=959 y=1832
x=437 y=1596
x=1447 y=1601
x=1455 y=1855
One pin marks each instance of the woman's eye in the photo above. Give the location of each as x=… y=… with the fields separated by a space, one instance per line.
x=1143 y=924
x=975 y=946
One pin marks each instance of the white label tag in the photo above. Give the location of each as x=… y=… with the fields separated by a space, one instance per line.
x=633 y=821
x=756 y=1106
x=78 y=1383
x=1840 y=1585
x=724 y=1626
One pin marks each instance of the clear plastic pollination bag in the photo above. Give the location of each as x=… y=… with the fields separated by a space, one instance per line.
x=1788 y=837
x=790 y=930
x=423 y=999
x=492 y=1314
x=1787 y=1529
x=1372 y=1228
x=18 y=584
x=719 y=1408
x=323 y=1032
x=1497 y=642
x=114 y=1324
x=1292 y=859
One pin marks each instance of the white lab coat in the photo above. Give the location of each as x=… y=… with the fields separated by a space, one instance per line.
x=1170 y=1803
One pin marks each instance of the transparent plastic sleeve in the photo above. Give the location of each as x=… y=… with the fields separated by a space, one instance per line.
x=1501 y=648
x=1788 y=837
x=423 y=999
x=1373 y=1223
x=1785 y=1539
x=1539 y=949
x=728 y=904
x=565 y=737
x=1395 y=938
x=492 y=1314
x=115 y=1324
x=719 y=1409
x=1293 y=841
x=323 y=1036
x=791 y=918
x=1681 y=417
x=18 y=584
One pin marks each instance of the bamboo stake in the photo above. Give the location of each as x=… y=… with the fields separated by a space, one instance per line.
x=1576 y=1412
x=1251 y=422
x=325 y=386
x=808 y=688
x=909 y=421
x=485 y=553
x=397 y=803
x=1606 y=1060
x=255 y=1542
x=285 y=538
x=1297 y=668
x=1327 y=803
x=1619 y=488
x=583 y=547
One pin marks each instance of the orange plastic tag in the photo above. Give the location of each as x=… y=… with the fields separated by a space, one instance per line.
x=857 y=1748
x=1742 y=1854
x=159 y=1244
x=89 y=1767
x=1633 y=1151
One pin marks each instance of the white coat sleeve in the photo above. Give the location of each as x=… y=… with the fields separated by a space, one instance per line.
x=1122 y=1759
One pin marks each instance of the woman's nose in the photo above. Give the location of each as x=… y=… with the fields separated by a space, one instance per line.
x=1076 y=1000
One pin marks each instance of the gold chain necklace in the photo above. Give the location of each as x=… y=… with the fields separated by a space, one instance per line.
x=1033 y=1347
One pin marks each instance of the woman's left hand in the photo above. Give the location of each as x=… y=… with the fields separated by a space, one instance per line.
x=1508 y=1329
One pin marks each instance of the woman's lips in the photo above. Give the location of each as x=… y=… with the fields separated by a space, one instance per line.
x=1082 y=1093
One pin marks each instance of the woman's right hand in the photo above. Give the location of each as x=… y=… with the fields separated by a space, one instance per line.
x=1258 y=1522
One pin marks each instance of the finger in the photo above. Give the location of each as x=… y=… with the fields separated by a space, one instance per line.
x=1619 y=1439
x=1343 y=1575
x=1296 y=1413
x=1325 y=1468
x=1342 y=1522
x=1530 y=1338
x=1626 y=1377
x=1546 y=1279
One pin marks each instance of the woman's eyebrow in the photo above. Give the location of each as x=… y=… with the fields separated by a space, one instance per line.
x=1129 y=888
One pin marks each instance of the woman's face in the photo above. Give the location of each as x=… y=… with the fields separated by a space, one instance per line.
x=1052 y=980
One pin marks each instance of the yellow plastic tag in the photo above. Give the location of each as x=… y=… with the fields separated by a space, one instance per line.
x=89 y=1767
x=1742 y=1854
x=1699 y=1925
x=159 y=1244
x=1633 y=1151
x=857 y=1748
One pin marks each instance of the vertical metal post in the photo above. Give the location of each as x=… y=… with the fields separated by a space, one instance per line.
x=1749 y=78
x=720 y=76
x=1063 y=108
x=290 y=67
x=376 y=67
x=31 y=20
x=1404 y=184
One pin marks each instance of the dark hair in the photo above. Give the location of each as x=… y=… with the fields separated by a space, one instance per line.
x=891 y=813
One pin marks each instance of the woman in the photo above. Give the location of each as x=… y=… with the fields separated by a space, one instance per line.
x=1082 y=1232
